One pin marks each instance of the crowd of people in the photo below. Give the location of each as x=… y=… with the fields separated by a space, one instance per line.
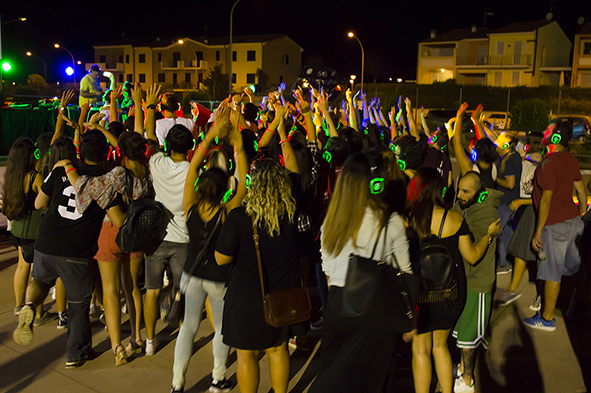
x=311 y=187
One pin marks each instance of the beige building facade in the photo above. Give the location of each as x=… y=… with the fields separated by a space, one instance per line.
x=184 y=63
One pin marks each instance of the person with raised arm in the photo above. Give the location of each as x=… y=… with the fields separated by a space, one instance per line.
x=482 y=156
x=90 y=87
x=207 y=199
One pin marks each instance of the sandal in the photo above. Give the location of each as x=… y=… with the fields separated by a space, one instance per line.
x=120 y=356
x=134 y=347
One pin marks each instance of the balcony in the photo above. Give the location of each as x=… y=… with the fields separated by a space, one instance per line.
x=473 y=60
x=555 y=64
x=438 y=62
x=510 y=61
x=184 y=65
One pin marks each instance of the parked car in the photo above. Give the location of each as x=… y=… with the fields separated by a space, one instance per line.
x=499 y=120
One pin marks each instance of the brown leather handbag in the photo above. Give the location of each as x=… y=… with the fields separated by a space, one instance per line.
x=287 y=306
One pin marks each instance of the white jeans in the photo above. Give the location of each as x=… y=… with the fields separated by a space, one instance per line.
x=196 y=291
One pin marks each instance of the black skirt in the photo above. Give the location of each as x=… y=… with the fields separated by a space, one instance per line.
x=355 y=355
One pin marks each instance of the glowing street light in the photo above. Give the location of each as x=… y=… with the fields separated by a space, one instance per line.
x=399 y=80
x=6 y=66
x=353 y=77
x=44 y=65
x=351 y=35
x=58 y=46
x=69 y=71
x=79 y=62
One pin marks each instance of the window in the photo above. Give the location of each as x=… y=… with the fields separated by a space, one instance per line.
x=286 y=59
x=217 y=55
x=498 y=78
x=142 y=58
x=500 y=48
x=120 y=58
x=234 y=77
x=251 y=55
x=187 y=77
x=280 y=78
x=159 y=56
x=130 y=78
x=587 y=48
x=234 y=56
x=161 y=77
x=200 y=77
x=142 y=78
x=199 y=55
x=120 y=78
x=249 y=78
x=515 y=78
x=127 y=59
x=174 y=78
x=102 y=59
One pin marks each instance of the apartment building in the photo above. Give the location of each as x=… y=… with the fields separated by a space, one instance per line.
x=582 y=57
x=522 y=53
x=184 y=63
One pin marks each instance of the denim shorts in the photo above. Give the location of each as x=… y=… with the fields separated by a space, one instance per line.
x=168 y=254
x=561 y=244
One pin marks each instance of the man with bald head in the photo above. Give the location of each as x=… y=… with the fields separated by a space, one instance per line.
x=478 y=205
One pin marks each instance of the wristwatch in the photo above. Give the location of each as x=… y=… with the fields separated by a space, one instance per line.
x=490 y=240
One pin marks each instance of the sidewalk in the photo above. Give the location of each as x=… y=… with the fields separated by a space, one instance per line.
x=519 y=359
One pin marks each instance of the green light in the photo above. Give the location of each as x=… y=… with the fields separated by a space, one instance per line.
x=6 y=66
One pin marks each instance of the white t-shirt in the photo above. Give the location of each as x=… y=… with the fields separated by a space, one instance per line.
x=336 y=267
x=164 y=125
x=169 y=178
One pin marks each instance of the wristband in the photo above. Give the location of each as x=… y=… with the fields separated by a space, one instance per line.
x=203 y=149
x=71 y=169
x=271 y=131
x=490 y=240
x=518 y=203
x=282 y=142
x=305 y=113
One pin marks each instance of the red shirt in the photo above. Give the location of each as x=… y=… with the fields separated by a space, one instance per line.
x=558 y=173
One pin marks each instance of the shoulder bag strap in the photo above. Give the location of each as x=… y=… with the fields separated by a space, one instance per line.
x=442 y=222
x=255 y=237
x=205 y=247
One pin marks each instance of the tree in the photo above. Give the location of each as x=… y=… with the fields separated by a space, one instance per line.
x=216 y=83
x=36 y=82
x=529 y=115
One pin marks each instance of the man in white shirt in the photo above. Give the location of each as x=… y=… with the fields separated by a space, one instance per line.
x=169 y=105
x=169 y=171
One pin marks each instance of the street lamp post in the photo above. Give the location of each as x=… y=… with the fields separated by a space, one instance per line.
x=351 y=35
x=181 y=42
x=44 y=65
x=2 y=24
x=73 y=61
x=230 y=50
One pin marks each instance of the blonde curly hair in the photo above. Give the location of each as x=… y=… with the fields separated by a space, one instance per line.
x=269 y=197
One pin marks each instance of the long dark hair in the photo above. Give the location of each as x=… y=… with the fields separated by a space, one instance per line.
x=424 y=192
x=20 y=162
x=62 y=149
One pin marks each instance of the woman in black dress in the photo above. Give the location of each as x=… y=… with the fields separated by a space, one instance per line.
x=271 y=206
x=427 y=215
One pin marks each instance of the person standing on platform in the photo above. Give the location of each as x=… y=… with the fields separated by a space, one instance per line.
x=90 y=87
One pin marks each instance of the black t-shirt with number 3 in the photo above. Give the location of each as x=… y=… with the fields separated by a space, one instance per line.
x=64 y=232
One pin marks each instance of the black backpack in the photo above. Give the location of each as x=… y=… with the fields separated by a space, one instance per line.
x=145 y=224
x=438 y=270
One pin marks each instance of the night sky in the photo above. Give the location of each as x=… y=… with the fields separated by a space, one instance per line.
x=389 y=30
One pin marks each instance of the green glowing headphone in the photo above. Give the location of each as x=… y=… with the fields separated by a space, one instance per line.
x=376 y=184
x=434 y=138
x=327 y=156
x=443 y=193
x=402 y=164
x=482 y=196
x=506 y=146
x=37 y=152
x=556 y=138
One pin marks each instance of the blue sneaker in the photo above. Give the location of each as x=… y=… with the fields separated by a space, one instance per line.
x=537 y=322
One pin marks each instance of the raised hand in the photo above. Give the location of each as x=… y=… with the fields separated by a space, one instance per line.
x=476 y=113
x=69 y=121
x=94 y=120
x=66 y=98
x=399 y=102
x=137 y=93
x=153 y=95
x=461 y=110
x=408 y=104
x=349 y=95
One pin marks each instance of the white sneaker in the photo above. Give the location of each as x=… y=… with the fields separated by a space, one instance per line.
x=461 y=387
x=537 y=304
x=151 y=346
x=507 y=298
